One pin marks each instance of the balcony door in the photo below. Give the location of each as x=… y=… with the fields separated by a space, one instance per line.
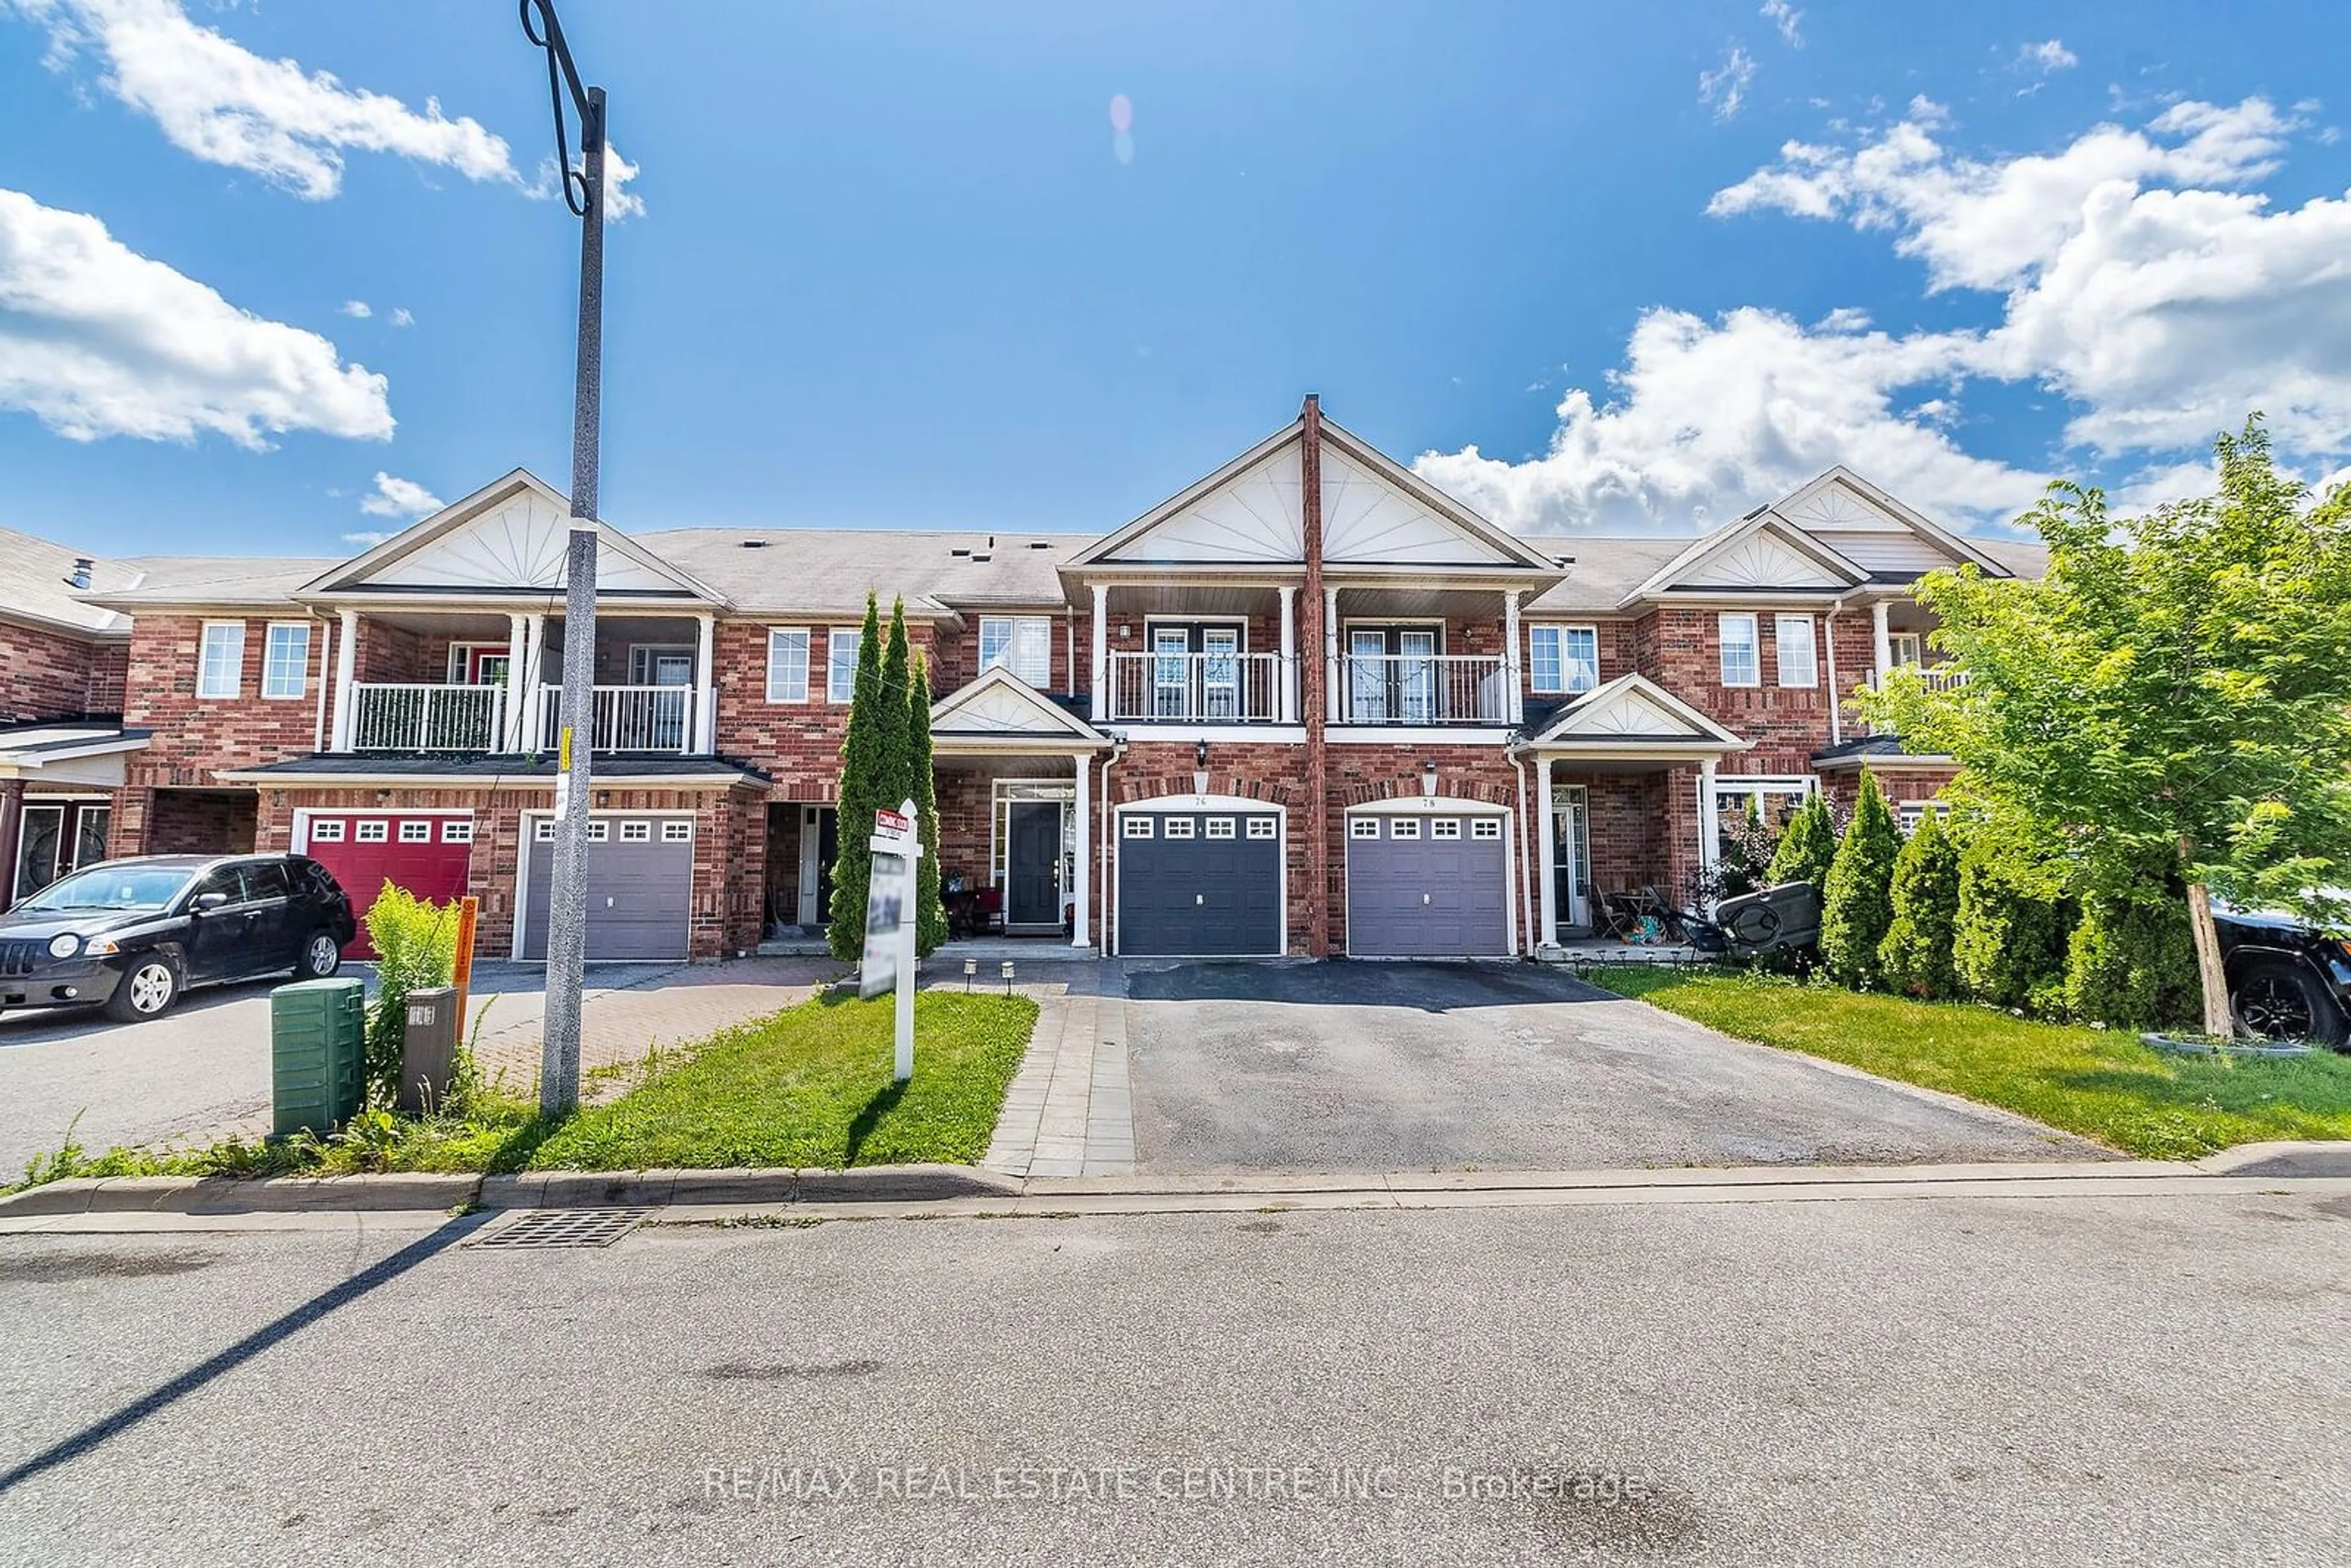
x=1196 y=671
x=1392 y=675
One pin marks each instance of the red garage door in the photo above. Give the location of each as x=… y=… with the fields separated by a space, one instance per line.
x=425 y=853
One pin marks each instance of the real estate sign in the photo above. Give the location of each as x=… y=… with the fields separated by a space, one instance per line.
x=889 y=963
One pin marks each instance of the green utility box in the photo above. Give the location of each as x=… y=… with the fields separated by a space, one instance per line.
x=317 y=1043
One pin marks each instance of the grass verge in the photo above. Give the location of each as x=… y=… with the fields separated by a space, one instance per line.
x=2101 y=1084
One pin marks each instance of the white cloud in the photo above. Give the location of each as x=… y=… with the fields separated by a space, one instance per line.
x=366 y=540
x=397 y=498
x=1788 y=19
x=218 y=101
x=1724 y=87
x=96 y=340
x=620 y=201
x=400 y=317
x=2050 y=55
x=358 y=309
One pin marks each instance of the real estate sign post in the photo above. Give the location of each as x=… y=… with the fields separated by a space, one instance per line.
x=890 y=921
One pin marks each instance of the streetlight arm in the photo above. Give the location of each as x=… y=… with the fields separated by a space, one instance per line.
x=539 y=26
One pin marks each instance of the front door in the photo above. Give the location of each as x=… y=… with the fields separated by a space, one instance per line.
x=1032 y=896
x=1571 y=865
x=40 y=849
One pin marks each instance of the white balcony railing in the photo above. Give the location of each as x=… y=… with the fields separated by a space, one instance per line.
x=412 y=718
x=1934 y=677
x=1424 y=689
x=1200 y=688
x=627 y=718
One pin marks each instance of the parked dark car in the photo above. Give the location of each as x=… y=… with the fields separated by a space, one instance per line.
x=2287 y=979
x=133 y=934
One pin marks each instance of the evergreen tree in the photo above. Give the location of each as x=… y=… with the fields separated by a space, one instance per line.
x=1807 y=847
x=862 y=784
x=1858 y=904
x=931 y=916
x=1916 y=953
x=2009 y=944
x=895 y=780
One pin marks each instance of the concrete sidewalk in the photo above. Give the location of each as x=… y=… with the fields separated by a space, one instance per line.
x=1070 y=1110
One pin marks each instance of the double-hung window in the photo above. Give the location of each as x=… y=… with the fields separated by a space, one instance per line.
x=840 y=663
x=1792 y=638
x=286 y=658
x=220 y=659
x=1741 y=665
x=788 y=664
x=1021 y=644
x=1563 y=658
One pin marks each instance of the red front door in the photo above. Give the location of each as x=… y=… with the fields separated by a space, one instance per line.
x=427 y=854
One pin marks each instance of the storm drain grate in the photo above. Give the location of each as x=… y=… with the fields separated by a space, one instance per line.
x=564 y=1227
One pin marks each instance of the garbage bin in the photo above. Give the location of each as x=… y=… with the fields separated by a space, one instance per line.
x=428 y=1051
x=317 y=1043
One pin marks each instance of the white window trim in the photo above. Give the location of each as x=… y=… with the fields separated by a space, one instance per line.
x=1811 y=671
x=301 y=665
x=1566 y=681
x=415 y=833
x=808 y=645
x=1363 y=827
x=236 y=672
x=1722 y=647
x=1009 y=656
x=381 y=835
x=830 y=664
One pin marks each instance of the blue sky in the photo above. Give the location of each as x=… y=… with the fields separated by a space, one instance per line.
x=893 y=268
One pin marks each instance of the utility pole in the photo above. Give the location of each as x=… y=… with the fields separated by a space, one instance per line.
x=567 y=921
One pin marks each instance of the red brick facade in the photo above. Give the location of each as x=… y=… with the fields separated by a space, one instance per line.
x=54 y=674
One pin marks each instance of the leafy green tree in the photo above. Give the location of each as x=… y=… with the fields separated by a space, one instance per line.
x=931 y=916
x=1916 y=955
x=2177 y=689
x=1858 y=904
x=415 y=943
x=2131 y=962
x=1807 y=848
x=2008 y=948
x=864 y=763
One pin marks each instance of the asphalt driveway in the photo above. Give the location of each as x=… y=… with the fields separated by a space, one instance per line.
x=1391 y=1066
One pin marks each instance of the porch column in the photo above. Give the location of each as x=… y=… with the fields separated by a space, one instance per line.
x=1709 y=830
x=1285 y=680
x=1514 y=707
x=1546 y=873
x=347 y=655
x=534 y=678
x=1101 y=691
x=706 y=684
x=1885 y=643
x=510 y=730
x=1082 y=883
x=1331 y=654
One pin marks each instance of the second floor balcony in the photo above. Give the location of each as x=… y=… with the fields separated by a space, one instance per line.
x=1218 y=687
x=1413 y=688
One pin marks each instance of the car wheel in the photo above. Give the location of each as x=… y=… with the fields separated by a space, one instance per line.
x=2284 y=1001
x=322 y=955
x=148 y=990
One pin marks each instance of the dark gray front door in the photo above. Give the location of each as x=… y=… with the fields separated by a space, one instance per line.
x=1426 y=887
x=640 y=887
x=1201 y=881
x=1033 y=864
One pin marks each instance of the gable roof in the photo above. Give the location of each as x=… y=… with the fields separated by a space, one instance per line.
x=1632 y=713
x=1760 y=553
x=1840 y=502
x=1002 y=712
x=37 y=587
x=510 y=537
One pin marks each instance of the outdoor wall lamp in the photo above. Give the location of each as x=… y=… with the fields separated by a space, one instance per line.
x=1200 y=767
x=1428 y=779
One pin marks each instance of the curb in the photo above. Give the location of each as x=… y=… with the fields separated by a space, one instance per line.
x=2280 y=1159
x=233 y=1195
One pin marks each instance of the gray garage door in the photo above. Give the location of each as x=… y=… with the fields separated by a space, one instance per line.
x=1199 y=882
x=640 y=887
x=1426 y=887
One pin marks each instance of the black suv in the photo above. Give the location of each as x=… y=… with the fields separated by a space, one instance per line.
x=134 y=933
x=2287 y=979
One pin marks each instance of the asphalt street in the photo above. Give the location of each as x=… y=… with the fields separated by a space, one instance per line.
x=1937 y=1380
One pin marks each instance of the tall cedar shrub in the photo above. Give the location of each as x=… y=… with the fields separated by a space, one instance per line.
x=863 y=761
x=1916 y=955
x=2131 y=963
x=2009 y=942
x=415 y=945
x=1807 y=848
x=931 y=916
x=896 y=779
x=1858 y=904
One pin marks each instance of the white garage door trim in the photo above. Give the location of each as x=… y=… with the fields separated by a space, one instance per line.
x=1235 y=803
x=529 y=836
x=303 y=816
x=1443 y=806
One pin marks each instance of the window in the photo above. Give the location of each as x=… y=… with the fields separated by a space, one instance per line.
x=599 y=830
x=415 y=833
x=1392 y=675
x=543 y=829
x=456 y=831
x=1905 y=647
x=286 y=658
x=1196 y=671
x=1404 y=827
x=267 y=879
x=636 y=833
x=1263 y=828
x=1791 y=635
x=1563 y=658
x=326 y=832
x=1910 y=813
x=1485 y=828
x=1138 y=827
x=788 y=667
x=373 y=830
x=1445 y=828
x=1363 y=827
x=1021 y=644
x=1772 y=801
x=677 y=833
x=1179 y=828
x=840 y=663
x=1220 y=827
x=1741 y=666
x=220 y=661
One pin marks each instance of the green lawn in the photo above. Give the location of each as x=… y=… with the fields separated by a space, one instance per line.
x=2101 y=1084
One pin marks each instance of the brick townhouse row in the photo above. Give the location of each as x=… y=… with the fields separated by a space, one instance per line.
x=1309 y=704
